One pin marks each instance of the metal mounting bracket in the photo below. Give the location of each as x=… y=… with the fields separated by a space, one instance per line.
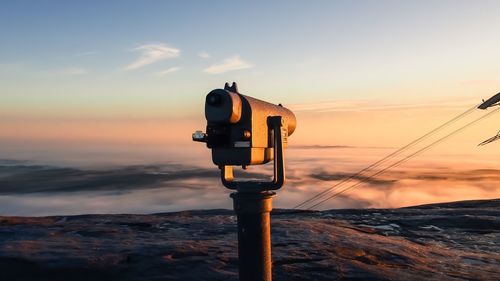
x=275 y=123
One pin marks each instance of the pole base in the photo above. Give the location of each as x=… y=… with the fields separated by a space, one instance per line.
x=254 y=234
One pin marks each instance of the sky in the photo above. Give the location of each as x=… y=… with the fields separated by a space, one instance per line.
x=103 y=83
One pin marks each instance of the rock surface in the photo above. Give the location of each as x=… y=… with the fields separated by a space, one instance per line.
x=452 y=241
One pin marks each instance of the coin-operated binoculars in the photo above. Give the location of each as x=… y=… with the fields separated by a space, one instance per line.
x=243 y=131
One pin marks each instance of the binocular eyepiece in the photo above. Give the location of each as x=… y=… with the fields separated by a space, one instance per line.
x=241 y=130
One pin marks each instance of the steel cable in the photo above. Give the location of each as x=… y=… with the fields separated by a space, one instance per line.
x=406 y=158
x=390 y=156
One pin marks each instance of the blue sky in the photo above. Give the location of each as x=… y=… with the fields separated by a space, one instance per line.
x=97 y=58
x=335 y=44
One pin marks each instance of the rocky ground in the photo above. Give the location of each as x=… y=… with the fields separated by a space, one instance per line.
x=453 y=241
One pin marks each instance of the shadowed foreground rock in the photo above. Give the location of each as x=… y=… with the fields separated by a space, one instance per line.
x=452 y=241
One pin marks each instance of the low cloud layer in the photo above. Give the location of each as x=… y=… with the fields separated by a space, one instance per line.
x=31 y=189
x=25 y=179
x=324 y=176
x=391 y=177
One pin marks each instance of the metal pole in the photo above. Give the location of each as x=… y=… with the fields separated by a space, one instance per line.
x=254 y=234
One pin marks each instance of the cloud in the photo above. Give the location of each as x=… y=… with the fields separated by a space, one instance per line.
x=479 y=82
x=315 y=147
x=83 y=54
x=229 y=64
x=204 y=55
x=392 y=177
x=28 y=188
x=325 y=176
x=74 y=71
x=320 y=146
x=151 y=53
x=25 y=178
x=168 y=71
x=373 y=105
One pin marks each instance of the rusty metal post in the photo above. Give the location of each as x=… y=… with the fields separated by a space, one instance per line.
x=254 y=234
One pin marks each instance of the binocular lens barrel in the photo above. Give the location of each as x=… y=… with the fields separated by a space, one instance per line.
x=224 y=107
x=239 y=130
x=214 y=99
